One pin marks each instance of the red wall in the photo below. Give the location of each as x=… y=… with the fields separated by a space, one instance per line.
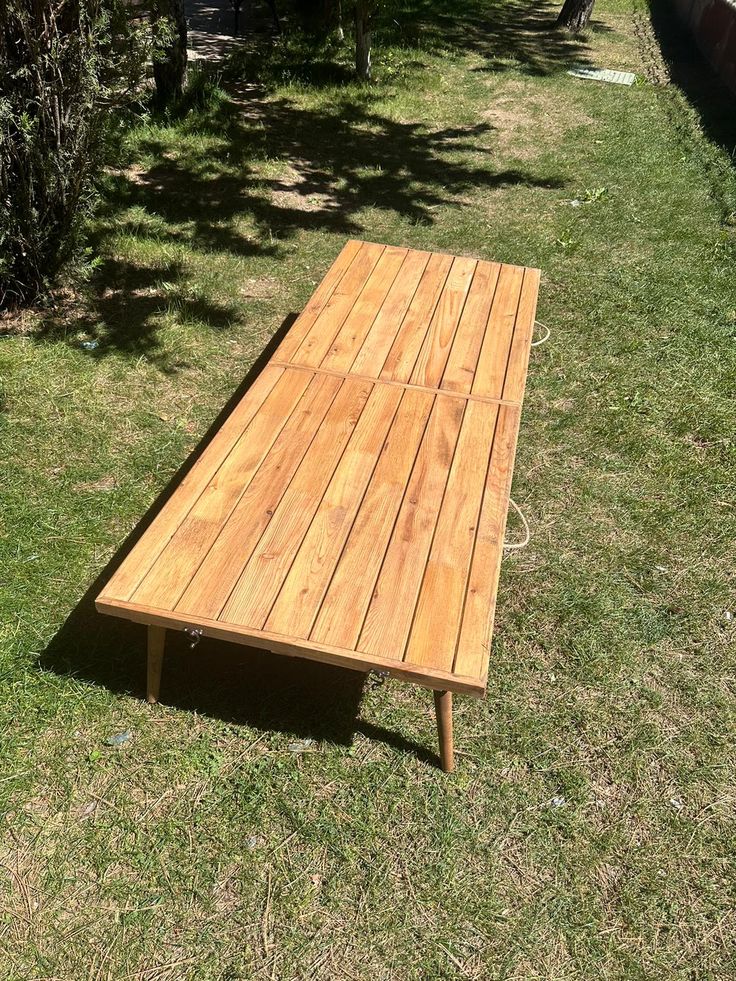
x=713 y=25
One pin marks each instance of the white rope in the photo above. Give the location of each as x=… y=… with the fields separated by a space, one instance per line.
x=512 y=502
x=538 y=323
x=527 y=532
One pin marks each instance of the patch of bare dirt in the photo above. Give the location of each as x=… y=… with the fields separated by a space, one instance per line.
x=298 y=191
x=526 y=122
x=103 y=484
x=260 y=288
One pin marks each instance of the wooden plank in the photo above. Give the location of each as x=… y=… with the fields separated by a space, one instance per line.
x=436 y=625
x=177 y=563
x=345 y=604
x=263 y=575
x=403 y=353
x=494 y=354
x=358 y=322
x=390 y=612
x=292 y=647
x=523 y=329
x=474 y=643
x=351 y=520
x=327 y=324
x=150 y=545
x=463 y=359
x=405 y=386
x=389 y=320
x=299 y=599
x=318 y=300
x=219 y=571
x=433 y=355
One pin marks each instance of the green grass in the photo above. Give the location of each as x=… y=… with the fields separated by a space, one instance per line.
x=588 y=831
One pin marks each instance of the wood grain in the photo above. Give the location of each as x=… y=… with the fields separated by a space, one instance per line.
x=480 y=602
x=432 y=358
x=346 y=602
x=407 y=344
x=352 y=507
x=463 y=358
x=391 y=609
x=220 y=569
x=318 y=300
x=490 y=373
x=261 y=579
x=330 y=319
x=300 y=597
x=439 y=609
x=183 y=554
x=390 y=318
x=359 y=321
x=518 y=362
x=280 y=644
x=155 y=538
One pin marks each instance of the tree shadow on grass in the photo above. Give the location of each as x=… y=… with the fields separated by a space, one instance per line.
x=270 y=169
x=125 y=306
x=511 y=34
x=330 y=168
x=231 y=682
x=507 y=34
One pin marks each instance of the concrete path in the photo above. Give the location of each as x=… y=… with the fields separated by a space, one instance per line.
x=211 y=29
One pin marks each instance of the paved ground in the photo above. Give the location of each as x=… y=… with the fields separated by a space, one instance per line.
x=211 y=29
x=212 y=26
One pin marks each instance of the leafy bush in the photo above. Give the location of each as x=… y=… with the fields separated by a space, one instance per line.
x=64 y=65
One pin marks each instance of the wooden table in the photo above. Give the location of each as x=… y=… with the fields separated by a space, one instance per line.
x=352 y=507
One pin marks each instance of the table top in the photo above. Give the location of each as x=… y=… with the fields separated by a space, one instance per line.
x=352 y=507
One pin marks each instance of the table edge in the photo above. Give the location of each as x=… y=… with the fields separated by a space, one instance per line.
x=452 y=255
x=292 y=646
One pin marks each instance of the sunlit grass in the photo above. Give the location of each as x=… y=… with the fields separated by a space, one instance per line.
x=588 y=829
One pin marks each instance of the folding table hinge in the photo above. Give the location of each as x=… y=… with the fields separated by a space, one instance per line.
x=194 y=635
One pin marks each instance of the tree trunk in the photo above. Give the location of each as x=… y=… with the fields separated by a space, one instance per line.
x=275 y=16
x=363 y=40
x=170 y=63
x=575 y=15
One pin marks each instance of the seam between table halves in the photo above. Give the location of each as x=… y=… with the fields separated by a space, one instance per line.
x=465 y=396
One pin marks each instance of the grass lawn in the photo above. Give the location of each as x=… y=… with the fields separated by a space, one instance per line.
x=588 y=831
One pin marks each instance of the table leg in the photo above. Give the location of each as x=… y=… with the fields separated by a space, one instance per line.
x=156 y=641
x=443 y=709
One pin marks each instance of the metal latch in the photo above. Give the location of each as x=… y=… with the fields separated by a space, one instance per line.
x=378 y=678
x=194 y=635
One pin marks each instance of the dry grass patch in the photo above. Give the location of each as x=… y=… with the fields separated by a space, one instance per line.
x=205 y=848
x=302 y=192
x=528 y=121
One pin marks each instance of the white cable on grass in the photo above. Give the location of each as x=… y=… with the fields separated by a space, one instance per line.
x=512 y=502
x=538 y=323
x=527 y=532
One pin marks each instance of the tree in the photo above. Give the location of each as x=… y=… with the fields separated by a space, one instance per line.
x=65 y=65
x=363 y=13
x=575 y=15
x=322 y=17
x=170 y=55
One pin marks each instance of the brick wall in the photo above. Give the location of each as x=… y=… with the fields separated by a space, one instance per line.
x=713 y=25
